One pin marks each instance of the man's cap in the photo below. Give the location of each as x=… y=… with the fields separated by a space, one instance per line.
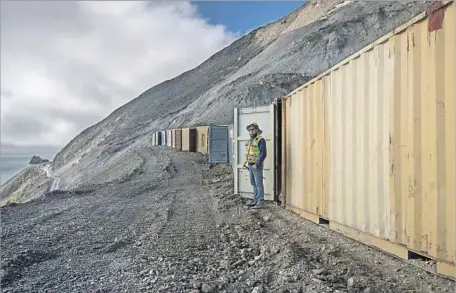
x=255 y=125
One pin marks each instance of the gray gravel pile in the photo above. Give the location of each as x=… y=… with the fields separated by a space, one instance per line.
x=175 y=226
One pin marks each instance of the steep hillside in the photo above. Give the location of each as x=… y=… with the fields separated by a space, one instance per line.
x=268 y=62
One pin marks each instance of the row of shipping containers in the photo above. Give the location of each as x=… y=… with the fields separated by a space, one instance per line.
x=368 y=147
x=216 y=141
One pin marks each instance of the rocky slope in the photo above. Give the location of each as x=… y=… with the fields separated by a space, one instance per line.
x=268 y=62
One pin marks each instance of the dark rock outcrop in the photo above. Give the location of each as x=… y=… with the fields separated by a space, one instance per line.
x=38 y=160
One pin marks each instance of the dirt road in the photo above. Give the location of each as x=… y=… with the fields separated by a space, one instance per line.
x=174 y=226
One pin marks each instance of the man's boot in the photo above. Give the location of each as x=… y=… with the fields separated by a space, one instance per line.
x=252 y=203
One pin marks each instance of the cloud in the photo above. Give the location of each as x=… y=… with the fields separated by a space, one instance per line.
x=67 y=64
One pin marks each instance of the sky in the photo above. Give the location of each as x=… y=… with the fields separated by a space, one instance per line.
x=245 y=16
x=65 y=65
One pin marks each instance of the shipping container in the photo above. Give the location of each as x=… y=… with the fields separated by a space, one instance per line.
x=173 y=135
x=186 y=139
x=202 y=139
x=192 y=140
x=370 y=143
x=264 y=116
x=153 y=138
x=177 y=138
x=159 y=138
x=218 y=144
x=163 y=135
x=169 y=137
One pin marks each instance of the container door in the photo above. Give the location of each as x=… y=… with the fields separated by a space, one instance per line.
x=193 y=137
x=179 y=139
x=278 y=148
x=264 y=116
x=185 y=139
x=218 y=144
x=170 y=137
x=173 y=135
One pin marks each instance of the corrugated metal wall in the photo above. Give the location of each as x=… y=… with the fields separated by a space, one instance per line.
x=376 y=134
x=178 y=139
x=202 y=139
x=306 y=184
x=422 y=159
x=358 y=115
x=186 y=139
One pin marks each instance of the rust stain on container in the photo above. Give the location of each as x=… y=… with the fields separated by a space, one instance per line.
x=436 y=13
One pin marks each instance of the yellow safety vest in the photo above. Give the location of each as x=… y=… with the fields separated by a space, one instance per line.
x=252 y=151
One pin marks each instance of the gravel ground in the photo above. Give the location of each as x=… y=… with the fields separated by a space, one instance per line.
x=175 y=226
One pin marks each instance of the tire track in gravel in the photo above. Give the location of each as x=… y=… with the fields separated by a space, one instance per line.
x=191 y=223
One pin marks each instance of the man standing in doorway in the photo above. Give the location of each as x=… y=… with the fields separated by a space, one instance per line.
x=255 y=154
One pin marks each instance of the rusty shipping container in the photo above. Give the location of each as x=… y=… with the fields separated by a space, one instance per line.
x=177 y=138
x=370 y=143
x=202 y=139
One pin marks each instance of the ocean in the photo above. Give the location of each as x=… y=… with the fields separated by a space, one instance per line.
x=14 y=159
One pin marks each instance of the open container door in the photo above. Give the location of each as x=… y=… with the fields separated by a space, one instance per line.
x=218 y=144
x=264 y=116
